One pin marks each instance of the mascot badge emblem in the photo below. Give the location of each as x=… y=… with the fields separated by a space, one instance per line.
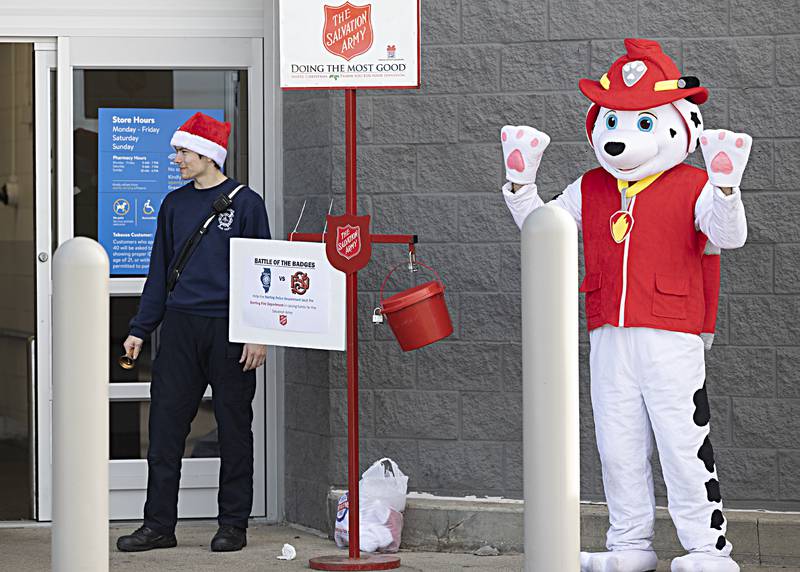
x=651 y=294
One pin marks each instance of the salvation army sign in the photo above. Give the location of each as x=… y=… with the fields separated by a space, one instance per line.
x=348 y=30
x=348 y=244
x=330 y=44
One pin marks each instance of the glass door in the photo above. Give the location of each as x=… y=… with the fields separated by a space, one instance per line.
x=115 y=98
x=17 y=280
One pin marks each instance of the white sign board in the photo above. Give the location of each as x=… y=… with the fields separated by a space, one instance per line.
x=285 y=293
x=330 y=44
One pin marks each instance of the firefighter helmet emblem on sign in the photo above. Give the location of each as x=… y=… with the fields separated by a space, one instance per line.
x=348 y=30
x=300 y=283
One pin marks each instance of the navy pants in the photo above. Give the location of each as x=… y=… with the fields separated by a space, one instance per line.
x=194 y=352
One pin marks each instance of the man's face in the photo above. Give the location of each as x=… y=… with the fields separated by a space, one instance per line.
x=191 y=164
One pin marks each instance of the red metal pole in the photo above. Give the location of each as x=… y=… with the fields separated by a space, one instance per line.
x=354 y=560
x=351 y=208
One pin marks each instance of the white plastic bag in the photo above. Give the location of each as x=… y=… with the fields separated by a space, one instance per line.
x=385 y=481
x=382 y=499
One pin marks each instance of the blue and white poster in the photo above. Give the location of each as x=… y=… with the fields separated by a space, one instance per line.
x=134 y=175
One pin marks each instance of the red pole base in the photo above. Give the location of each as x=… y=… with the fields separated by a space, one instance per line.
x=366 y=562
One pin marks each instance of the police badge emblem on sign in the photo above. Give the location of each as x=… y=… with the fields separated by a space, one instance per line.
x=347 y=243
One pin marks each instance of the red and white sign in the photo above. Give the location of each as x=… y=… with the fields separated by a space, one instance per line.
x=347 y=243
x=348 y=30
x=330 y=44
x=285 y=293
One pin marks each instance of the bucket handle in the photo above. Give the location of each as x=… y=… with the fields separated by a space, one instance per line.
x=385 y=280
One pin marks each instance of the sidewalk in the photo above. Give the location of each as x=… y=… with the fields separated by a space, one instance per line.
x=27 y=549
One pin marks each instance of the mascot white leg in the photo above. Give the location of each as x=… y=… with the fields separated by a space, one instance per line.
x=675 y=396
x=625 y=444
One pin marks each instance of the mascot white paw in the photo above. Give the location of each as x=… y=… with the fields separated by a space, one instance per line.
x=725 y=154
x=522 y=152
x=701 y=562
x=619 y=561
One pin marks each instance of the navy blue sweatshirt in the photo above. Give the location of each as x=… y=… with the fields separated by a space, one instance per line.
x=203 y=288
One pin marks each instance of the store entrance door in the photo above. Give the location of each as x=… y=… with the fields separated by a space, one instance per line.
x=109 y=185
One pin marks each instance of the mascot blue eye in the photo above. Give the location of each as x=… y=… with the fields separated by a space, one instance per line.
x=611 y=121
x=645 y=124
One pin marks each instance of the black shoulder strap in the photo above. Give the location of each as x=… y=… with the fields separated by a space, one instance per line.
x=221 y=204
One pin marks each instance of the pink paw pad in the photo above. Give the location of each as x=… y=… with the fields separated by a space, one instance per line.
x=534 y=142
x=515 y=161
x=721 y=163
x=704 y=140
x=520 y=133
x=740 y=142
x=504 y=136
x=721 y=135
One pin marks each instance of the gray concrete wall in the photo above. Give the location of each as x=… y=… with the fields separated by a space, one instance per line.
x=430 y=163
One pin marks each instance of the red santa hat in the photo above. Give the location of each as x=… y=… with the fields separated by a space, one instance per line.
x=643 y=78
x=204 y=135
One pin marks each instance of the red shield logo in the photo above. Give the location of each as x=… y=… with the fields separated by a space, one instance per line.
x=283 y=319
x=347 y=242
x=348 y=30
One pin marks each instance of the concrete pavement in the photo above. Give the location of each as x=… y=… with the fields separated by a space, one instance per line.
x=26 y=548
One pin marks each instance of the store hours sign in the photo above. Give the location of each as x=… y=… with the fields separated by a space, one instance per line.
x=330 y=44
x=134 y=175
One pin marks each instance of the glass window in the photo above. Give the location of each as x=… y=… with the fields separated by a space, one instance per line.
x=224 y=90
x=130 y=437
x=17 y=280
x=122 y=310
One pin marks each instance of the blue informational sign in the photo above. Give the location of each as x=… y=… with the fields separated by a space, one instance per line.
x=134 y=176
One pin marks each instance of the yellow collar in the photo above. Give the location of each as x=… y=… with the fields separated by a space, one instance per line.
x=638 y=186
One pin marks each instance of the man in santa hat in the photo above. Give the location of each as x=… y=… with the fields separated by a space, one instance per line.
x=646 y=219
x=187 y=293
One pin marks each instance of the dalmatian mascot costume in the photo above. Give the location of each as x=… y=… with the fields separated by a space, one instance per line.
x=646 y=218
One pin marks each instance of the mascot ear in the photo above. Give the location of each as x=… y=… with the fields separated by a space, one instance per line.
x=591 y=117
x=692 y=120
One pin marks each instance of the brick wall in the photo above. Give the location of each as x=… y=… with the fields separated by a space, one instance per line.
x=430 y=163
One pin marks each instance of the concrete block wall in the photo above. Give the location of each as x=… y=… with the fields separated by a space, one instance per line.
x=430 y=163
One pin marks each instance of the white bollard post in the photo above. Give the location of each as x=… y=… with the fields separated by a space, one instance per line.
x=551 y=445
x=80 y=407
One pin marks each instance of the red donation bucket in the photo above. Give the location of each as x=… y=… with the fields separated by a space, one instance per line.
x=418 y=316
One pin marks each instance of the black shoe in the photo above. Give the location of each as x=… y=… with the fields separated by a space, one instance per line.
x=229 y=539
x=145 y=538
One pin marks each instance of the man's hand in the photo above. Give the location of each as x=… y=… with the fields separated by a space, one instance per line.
x=253 y=356
x=522 y=152
x=133 y=346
